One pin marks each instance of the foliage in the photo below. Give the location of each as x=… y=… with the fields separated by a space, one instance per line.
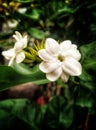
x=75 y=107
x=19 y=75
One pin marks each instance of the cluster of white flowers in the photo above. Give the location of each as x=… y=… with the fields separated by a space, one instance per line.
x=16 y=54
x=58 y=59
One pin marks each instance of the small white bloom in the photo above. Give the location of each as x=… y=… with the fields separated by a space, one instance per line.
x=22 y=10
x=12 y=23
x=16 y=54
x=60 y=60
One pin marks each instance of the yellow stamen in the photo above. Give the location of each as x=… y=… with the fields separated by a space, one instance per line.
x=61 y=58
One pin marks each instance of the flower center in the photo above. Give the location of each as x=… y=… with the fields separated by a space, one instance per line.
x=61 y=58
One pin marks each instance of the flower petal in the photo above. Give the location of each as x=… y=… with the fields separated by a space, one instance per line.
x=53 y=76
x=18 y=46
x=65 y=77
x=21 y=42
x=8 y=54
x=12 y=60
x=18 y=36
x=44 y=55
x=73 y=46
x=48 y=67
x=24 y=40
x=72 y=67
x=72 y=53
x=20 y=57
x=65 y=45
x=52 y=46
x=12 y=23
x=22 y=10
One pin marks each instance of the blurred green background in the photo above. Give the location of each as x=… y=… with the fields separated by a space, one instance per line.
x=63 y=19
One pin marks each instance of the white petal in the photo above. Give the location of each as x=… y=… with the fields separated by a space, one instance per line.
x=20 y=39
x=72 y=67
x=18 y=46
x=20 y=57
x=53 y=76
x=8 y=54
x=12 y=60
x=24 y=40
x=45 y=55
x=12 y=23
x=52 y=46
x=73 y=46
x=65 y=77
x=18 y=36
x=72 y=53
x=22 y=10
x=65 y=45
x=48 y=67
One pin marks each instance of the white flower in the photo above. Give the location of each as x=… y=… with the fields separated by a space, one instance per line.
x=60 y=60
x=16 y=54
x=22 y=10
x=12 y=23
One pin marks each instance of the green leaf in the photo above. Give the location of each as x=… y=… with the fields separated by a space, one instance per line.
x=85 y=101
x=10 y=77
x=24 y=1
x=87 y=80
x=25 y=110
x=24 y=69
x=89 y=55
x=37 y=33
x=33 y=14
x=59 y=114
x=88 y=61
